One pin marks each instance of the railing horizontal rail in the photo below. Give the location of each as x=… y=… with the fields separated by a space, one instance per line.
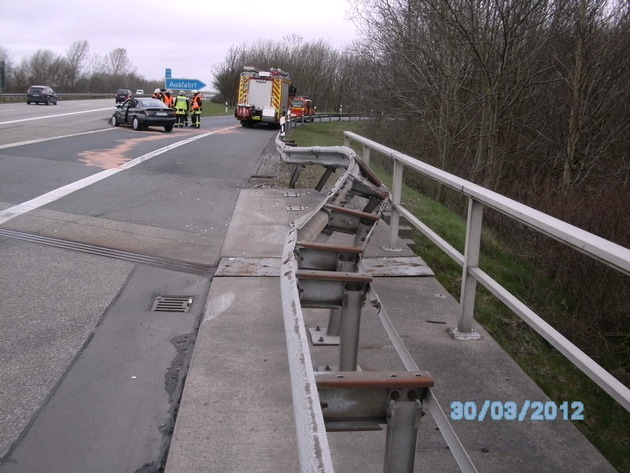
x=603 y=250
x=445 y=246
x=580 y=359
x=600 y=249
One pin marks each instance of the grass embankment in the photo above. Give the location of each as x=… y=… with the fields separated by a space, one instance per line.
x=211 y=109
x=606 y=424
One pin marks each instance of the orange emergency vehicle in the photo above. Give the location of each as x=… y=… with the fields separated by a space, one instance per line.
x=302 y=107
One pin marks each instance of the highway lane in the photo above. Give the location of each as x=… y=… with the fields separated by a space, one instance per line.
x=22 y=122
x=91 y=374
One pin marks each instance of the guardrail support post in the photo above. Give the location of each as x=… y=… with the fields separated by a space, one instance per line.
x=403 y=421
x=322 y=180
x=362 y=401
x=464 y=329
x=350 y=328
x=295 y=175
x=334 y=322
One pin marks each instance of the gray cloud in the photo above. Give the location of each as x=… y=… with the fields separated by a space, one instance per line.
x=189 y=38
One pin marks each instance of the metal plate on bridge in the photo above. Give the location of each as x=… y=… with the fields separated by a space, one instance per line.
x=320 y=338
x=402 y=266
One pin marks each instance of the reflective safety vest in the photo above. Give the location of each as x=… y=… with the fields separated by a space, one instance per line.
x=168 y=100
x=196 y=104
x=181 y=105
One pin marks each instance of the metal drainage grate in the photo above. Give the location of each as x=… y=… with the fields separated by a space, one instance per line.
x=172 y=304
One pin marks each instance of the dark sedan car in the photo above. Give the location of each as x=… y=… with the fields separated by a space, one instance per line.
x=41 y=94
x=143 y=112
x=122 y=95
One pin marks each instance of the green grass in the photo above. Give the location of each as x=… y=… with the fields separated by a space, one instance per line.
x=606 y=424
x=211 y=109
x=323 y=134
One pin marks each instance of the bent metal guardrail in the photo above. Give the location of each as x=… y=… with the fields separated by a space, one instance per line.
x=609 y=253
x=317 y=274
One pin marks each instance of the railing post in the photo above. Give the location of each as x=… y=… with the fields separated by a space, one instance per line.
x=465 y=330
x=396 y=193
x=366 y=154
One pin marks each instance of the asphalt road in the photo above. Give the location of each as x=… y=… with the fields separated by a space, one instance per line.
x=96 y=223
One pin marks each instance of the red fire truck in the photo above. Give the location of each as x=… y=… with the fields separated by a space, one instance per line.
x=302 y=107
x=263 y=97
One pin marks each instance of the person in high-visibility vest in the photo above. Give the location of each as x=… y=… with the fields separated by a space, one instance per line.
x=157 y=94
x=181 y=109
x=195 y=109
x=168 y=98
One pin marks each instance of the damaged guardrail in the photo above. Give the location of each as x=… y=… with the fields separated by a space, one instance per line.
x=317 y=274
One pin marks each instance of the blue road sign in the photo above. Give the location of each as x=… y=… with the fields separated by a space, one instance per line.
x=184 y=84
x=167 y=73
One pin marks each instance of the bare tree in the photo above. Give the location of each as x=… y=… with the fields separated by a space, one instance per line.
x=77 y=59
x=594 y=92
x=226 y=74
x=117 y=63
x=314 y=67
x=114 y=70
x=5 y=69
x=43 y=67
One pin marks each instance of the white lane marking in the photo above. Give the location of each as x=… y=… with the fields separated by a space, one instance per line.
x=30 y=142
x=57 y=194
x=55 y=116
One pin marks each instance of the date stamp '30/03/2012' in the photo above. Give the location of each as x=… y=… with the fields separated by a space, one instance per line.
x=519 y=411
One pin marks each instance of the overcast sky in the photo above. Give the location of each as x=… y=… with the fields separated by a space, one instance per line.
x=189 y=37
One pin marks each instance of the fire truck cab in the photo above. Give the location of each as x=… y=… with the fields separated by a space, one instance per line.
x=302 y=107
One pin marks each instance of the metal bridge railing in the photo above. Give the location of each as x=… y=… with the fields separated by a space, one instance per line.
x=479 y=198
x=327 y=117
x=315 y=273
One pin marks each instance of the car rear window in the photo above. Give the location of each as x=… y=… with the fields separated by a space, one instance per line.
x=36 y=89
x=152 y=103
